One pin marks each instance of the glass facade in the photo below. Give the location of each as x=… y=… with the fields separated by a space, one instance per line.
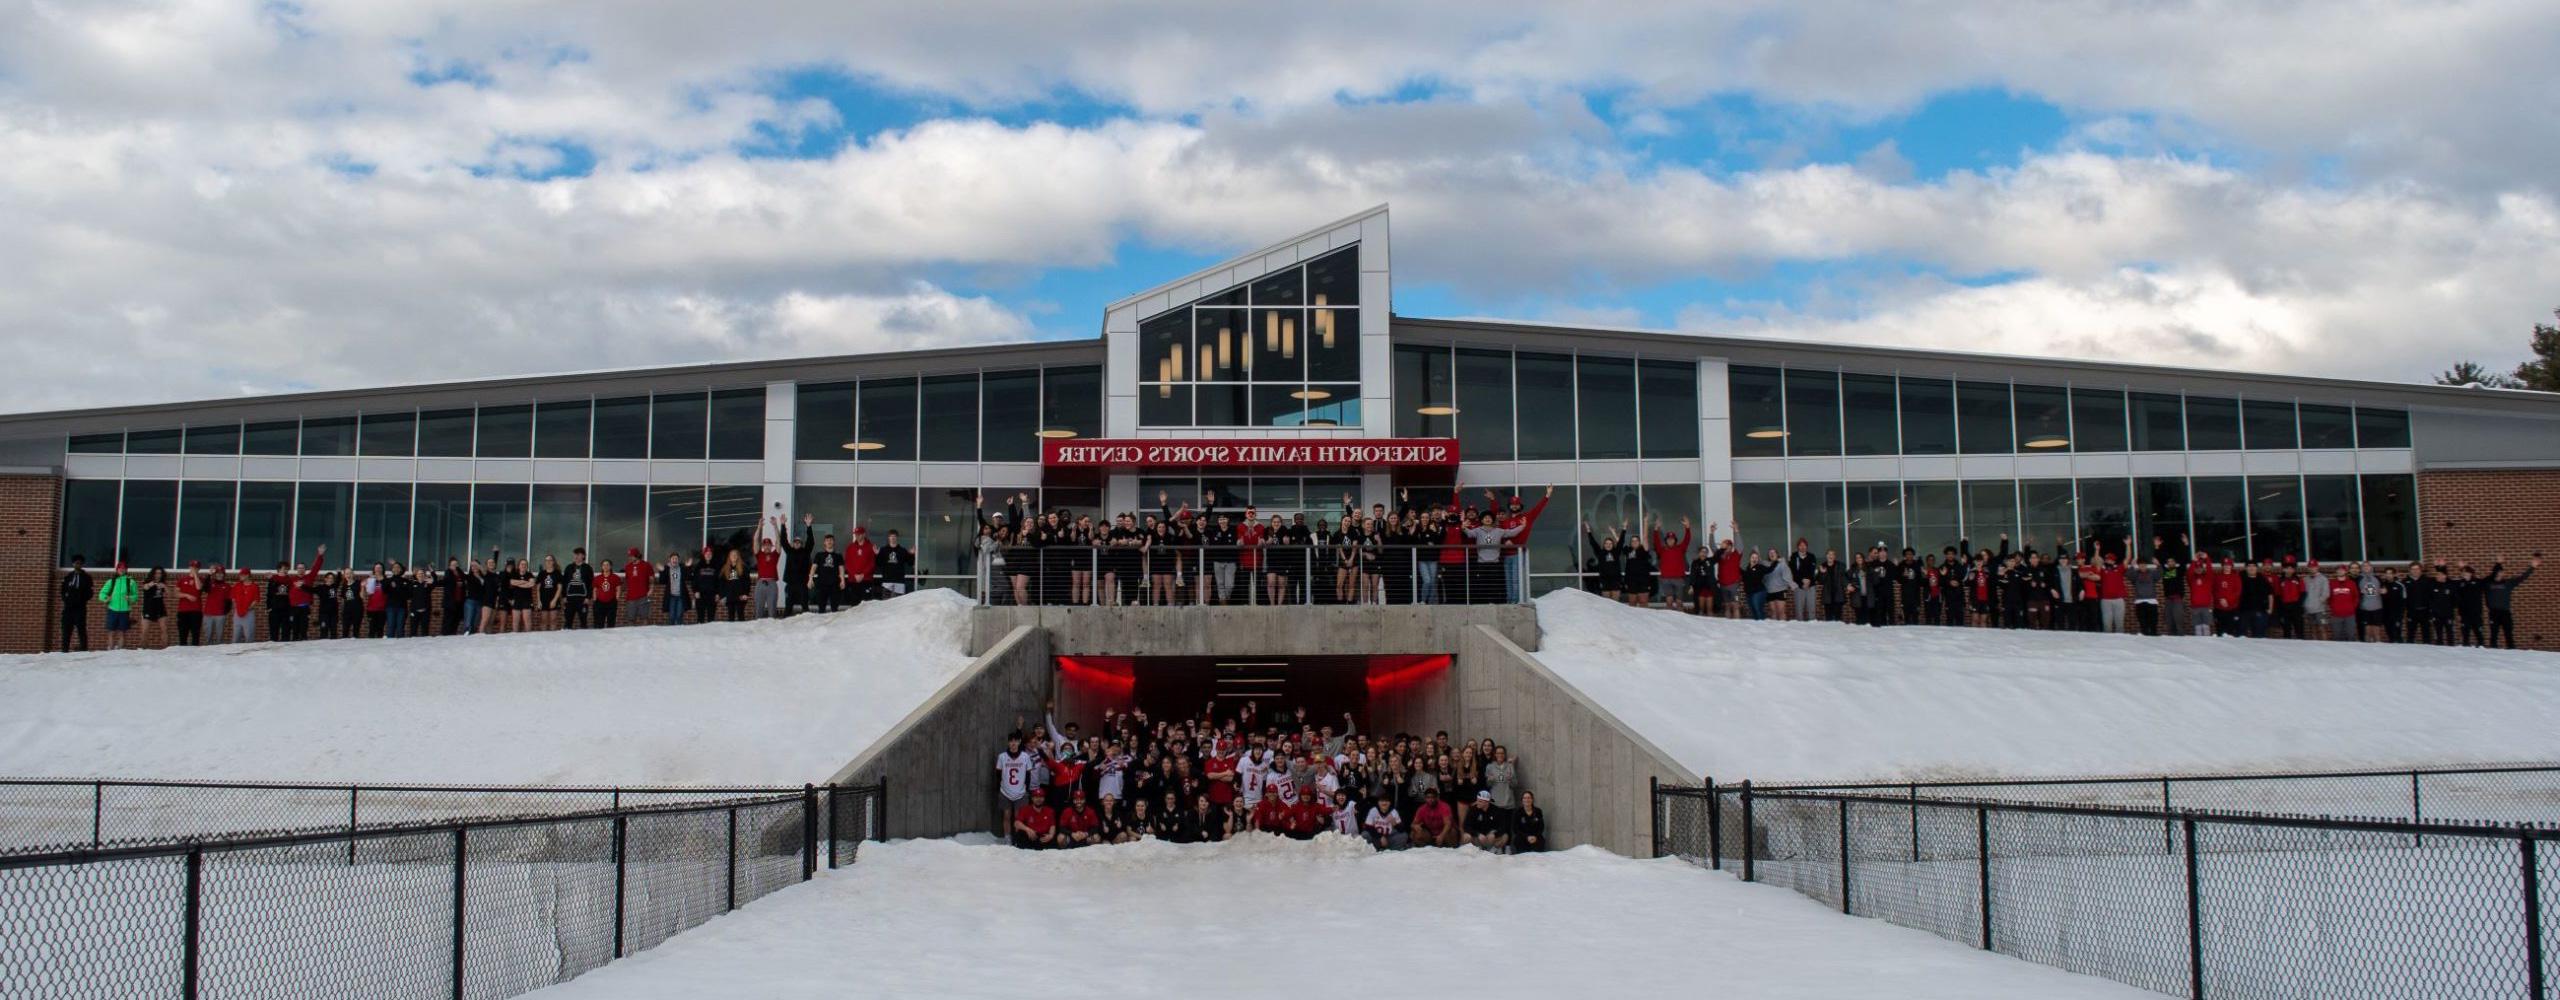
x=1282 y=350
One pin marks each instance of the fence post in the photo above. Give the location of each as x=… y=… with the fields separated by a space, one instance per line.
x=808 y=832
x=459 y=849
x=621 y=875
x=2535 y=985
x=351 y=825
x=883 y=832
x=2168 y=827
x=1844 y=855
x=1982 y=857
x=835 y=804
x=1915 y=822
x=1653 y=799
x=97 y=812
x=1747 y=871
x=1715 y=825
x=190 y=949
x=2195 y=918
x=2418 y=815
x=731 y=879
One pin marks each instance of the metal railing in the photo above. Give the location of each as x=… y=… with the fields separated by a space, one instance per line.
x=1251 y=575
x=2471 y=793
x=2184 y=902
x=481 y=909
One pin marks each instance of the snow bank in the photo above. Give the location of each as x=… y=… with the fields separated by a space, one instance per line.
x=1265 y=917
x=772 y=702
x=1806 y=700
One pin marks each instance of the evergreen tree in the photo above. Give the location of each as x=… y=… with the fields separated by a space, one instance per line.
x=2468 y=372
x=2543 y=372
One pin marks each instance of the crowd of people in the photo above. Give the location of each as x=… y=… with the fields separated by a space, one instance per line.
x=1205 y=779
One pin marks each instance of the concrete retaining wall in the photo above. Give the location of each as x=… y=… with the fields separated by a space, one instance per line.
x=1251 y=631
x=1587 y=768
x=940 y=759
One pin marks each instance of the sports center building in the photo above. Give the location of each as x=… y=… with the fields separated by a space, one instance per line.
x=1283 y=379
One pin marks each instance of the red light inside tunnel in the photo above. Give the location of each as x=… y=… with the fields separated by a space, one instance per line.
x=1114 y=672
x=1387 y=673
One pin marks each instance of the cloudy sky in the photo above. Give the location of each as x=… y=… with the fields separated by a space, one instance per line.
x=212 y=197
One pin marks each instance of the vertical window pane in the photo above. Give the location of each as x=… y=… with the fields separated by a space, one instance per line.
x=1071 y=400
x=622 y=427
x=1484 y=406
x=1928 y=416
x=1933 y=516
x=2159 y=423
x=2381 y=428
x=440 y=523
x=950 y=527
x=2160 y=518
x=1982 y=418
x=1816 y=513
x=951 y=418
x=2213 y=424
x=675 y=520
x=1280 y=357
x=499 y=515
x=2044 y=418
x=1161 y=406
x=1546 y=390
x=1334 y=279
x=729 y=519
x=161 y=441
x=1425 y=394
x=1232 y=405
x=1991 y=514
x=1605 y=397
x=111 y=443
x=2097 y=420
x=2266 y=424
x=883 y=509
x=266 y=524
x=1164 y=348
x=822 y=422
x=281 y=437
x=2328 y=426
x=150 y=523
x=323 y=514
x=2049 y=523
x=444 y=434
x=618 y=519
x=505 y=432
x=737 y=424
x=1868 y=414
x=1606 y=507
x=1010 y=429
x=679 y=426
x=382 y=527
x=1757 y=402
x=205 y=511
x=1667 y=503
x=2106 y=514
x=2329 y=517
x=1668 y=392
x=1875 y=516
x=1759 y=515
x=327 y=437
x=560 y=429
x=217 y=439
x=2221 y=509
x=1338 y=407
x=2275 y=517
x=387 y=435
x=1332 y=345
x=1813 y=413
x=2390 y=517
x=831 y=507
x=888 y=419
x=1217 y=336
x=559 y=520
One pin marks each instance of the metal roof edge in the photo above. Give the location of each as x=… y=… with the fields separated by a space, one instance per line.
x=1268 y=248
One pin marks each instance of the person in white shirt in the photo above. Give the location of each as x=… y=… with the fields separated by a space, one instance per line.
x=1383 y=826
x=1252 y=774
x=1346 y=814
x=1013 y=778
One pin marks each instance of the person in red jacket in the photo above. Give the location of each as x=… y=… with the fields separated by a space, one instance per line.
x=1078 y=823
x=190 y=588
x=1310 y=816
x=1674 y=554
x=2289 y=588
x=2111 y=594
x=2226 y=598
x=298 y=594
x=1271 y=815
x=1433 y=824
x=861 y=562
x=608 y=595
x=637 y=572
x=2343 y=598
x=244 y=608
x=2199 y=604
x=1515 y=561
x=1035 y=825
x=217 y=607
x=1728 y=571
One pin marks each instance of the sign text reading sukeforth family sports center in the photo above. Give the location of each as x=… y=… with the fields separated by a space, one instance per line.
x=1140 y=453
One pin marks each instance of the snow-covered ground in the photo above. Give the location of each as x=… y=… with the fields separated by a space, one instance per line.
x=1275 y=918
x=1811 y=701
x=774 y=702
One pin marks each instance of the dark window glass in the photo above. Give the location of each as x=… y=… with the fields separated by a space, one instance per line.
x=951 y=418
x=559 y=520
x=1281 y=288
x=1813 y=413
x=1606 y=507
x=1273 y=405
x=1668 y=394
x=2220 y=505
x=1756 y=398
x=2381 y=428
x=1991 y=514
x=149 y=535
x=2161 y=519
x=1338 y=407
x=1546 y=391
x=2106 y=514
x=2213 y=424
x=329 y=436
x=1426 y=400
x=505 y=432
x=2044 y=419
x=1164 y=406
x=382 y=526
x=1071 y=401
x=675 y=520
x=499 y=512
x=1009 y=430
x=1164 y=347
x=97 y=444
x=1928 y=416
x=1868 y=414
x=1605 y=390
x=1218 y=338
x=2268 y=424
x=679 y=426
x=888 y=420
x=2159 y=423
x=2328 y=426
x=1933 y=516
x=1280 y=357
x=2097 y=420
x=622 y=427
x=323 y=514
x=205 y=510
x=883 y=509
x=560 y=429
x=737 y=424
x=1484 y=406
x=1667 y=504
x=444 y=434
x=2390 y=517
x=1982 y=418
x=1334 y=279
x=88 y=521
x=1760 y=513
x=387 y=435
x=729 y=519
x=2048 y=522
x=215 y=439
x=440 y=522
x=2329 y=517
x=2275 y=517
x=1875 y=516
x=1226 y=405
x=832 y=509
x=1818 y=514
x=1333 y=345
x=822 y=422
x=948 y=526
x=618 y=517
x=165 y=441
x=280 y=437
x=266 y=524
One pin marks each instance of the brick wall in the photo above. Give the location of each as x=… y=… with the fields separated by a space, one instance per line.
x=2478 y=514
x=30 y=509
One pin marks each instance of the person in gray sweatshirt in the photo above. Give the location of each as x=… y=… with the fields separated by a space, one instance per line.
x=2142 y=584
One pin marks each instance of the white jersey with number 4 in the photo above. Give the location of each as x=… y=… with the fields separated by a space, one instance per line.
x=1250 y=776
x=1014 y=770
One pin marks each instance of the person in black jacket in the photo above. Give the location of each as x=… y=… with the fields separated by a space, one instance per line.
x=1528 y=826
x=2500 y=593
x=1875 y=588
x=894 y=563
x=1834 y=583
x=1912 y=580
x=75 y=590
x=2395 y=605
x=2470 y=603
x=796 y=553
x=2440 y=603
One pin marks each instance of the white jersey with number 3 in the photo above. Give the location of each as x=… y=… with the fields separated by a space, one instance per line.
x=1014 y=770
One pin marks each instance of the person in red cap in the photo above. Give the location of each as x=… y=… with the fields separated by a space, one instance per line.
x=244 y=607
x=636 y=574
x=190 y=592
x=861 y=560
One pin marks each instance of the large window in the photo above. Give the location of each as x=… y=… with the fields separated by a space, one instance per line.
x=2329 y=517
x=506 y=432
x=2390 y=512
x=2097 y=420
x=381 y=526
x=1666 y=503
x=499 y=516
x=2381 y=428
x=2213 y=424
x=2275 y=517
x=1009 y=427
x=1759 y=515
x=1605 y=406
x=2220 y=505
x=110 y=443
x=622 y=427
x=560 y=430
x=2328 y=426
x=822 y=422
x=1546 y=392
x=1758 y=402
x=1484 y=406
x=559 y=520
x=950 y=418
x=2160 y=519
x=213 y=439
x=618 y=522
x=2049 y=523
x=323 y=514
x=1071 y=401
x=266 y=524
x=1875 y=516
x=205 y=510
x=883 y=509
x=158 y=441
x=2159 y=422
x=947 y=526
x=440 y=523
x=2044 y=418
x=2268 y=425
x=1928 y=416
x=679 y=426
x=1813 y=413
x=1267 y=345
x=1426 y=392
x=830 y=509
x=675 y=520
x=1667 y=392
x=2106 y=513
x=387 y=435
x=150 y=532
x=1991 y=514
x=729 y=515
x=1818 y=514
x=1868 y=414
x=1933 y=516
x=280 y=437
x=328 y=437
x=445 y=433
x=737 y=424
x=886 y=431
x=1982 y=418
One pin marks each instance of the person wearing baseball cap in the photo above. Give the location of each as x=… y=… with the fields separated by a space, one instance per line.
x=190 y=592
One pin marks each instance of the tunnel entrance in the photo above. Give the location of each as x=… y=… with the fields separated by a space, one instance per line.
x=1181 y=687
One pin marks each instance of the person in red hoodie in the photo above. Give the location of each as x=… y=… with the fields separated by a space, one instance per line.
x=1674 y=555
x=2343 y=598
x=2198 y=606
x=217 y=607
x=1078 y=823
x=244 y=608
x=637 y=572
x=1309 y=816
x=608 y=595
x=2289 y=588
x=2226 y=598
x=1272 y=815
x=1433 y=824
x=190 y=588
x=1035 y=825
x=1728 y=570
x=1515 y=561
x=298 y=594
x=861 y=561
x=1452 y=583
x=1250 y=537
x=2111 y=594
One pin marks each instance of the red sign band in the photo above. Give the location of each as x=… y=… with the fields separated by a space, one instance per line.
x=1147 y=453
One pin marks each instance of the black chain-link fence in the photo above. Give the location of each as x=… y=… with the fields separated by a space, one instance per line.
x=484 y=910
x=2500 y=793
x=2184 y=902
